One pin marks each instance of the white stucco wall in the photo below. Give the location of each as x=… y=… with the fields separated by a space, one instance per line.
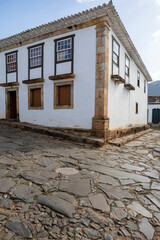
x=84 y=83
x=122 y=102
x=150 y=109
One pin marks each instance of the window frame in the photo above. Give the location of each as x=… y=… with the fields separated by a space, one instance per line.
x=126 y=57
x=65 y=60
x=64 y=83
x=42 y=59
x=137 y=108
x=113 y=62
x=138 y=78
x=13 y=71
x=145 y=86
x=30 y=88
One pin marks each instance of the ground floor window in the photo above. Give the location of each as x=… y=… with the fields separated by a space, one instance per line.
x=63 y=95
x=35 y=97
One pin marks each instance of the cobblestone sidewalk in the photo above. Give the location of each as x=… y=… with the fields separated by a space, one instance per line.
x=55 y=189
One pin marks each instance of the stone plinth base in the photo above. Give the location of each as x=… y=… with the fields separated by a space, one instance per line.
x=120 y=132
x=100 y=127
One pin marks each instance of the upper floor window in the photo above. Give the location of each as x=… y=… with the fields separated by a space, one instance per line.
x=145 y=86
x=64 y=49
x=138 y=78
x=11 y=62
x=127 y=66
x=35 y=60
x=64 y=53
x=116 y=52
x=115 y=56
x=35 y=56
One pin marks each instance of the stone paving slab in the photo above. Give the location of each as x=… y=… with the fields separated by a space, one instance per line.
x=56 y=189
x=119 y=142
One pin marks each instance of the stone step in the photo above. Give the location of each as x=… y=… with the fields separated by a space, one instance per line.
x=99 y=142
x=119 y=142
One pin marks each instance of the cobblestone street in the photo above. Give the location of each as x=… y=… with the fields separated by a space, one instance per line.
x=56 y=189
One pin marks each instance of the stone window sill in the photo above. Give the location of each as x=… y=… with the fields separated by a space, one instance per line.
x=11 y=84
x=129 y=86
x=118 y=79
x=62 y=76
x=33 y=81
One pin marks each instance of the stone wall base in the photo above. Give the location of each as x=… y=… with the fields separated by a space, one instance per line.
x=100 y=127
x=75 y=131
x=152 y=125
x=120 y=132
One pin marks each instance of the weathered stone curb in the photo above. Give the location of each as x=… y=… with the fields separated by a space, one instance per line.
x=98 y=142
x=119 y=142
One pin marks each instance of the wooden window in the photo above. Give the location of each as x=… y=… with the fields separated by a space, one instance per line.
x=136 y=108
x=145 y=86
x=11 y=62
x=115 y=53
x=63 y=95
x=35 y=97
x=35 y=58
x=127 y=66
x=64 y=51
x=138 y=78
x=35 y=54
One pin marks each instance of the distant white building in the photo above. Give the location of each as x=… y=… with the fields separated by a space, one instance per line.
x=82 y=71
x=154 y=102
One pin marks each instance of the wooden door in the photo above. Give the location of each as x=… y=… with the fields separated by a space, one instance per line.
x=13 y=107
x=156 y=116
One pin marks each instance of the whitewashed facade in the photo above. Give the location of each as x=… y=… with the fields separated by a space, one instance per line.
x=122 y=106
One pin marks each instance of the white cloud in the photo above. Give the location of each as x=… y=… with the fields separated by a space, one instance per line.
x=158 y=18
x=155 y=75
x=82 y=1
x=156 y=36
x=149 y=1
x=158 y=2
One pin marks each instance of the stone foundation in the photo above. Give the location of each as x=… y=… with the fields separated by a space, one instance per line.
x=119 y=132
x=100 y=127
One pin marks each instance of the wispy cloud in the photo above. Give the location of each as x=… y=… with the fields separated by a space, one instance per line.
x=156 y=36
x=155 y=75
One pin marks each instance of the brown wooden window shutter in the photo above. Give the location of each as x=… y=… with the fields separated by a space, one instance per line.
x=36 y=97
x=64 y=95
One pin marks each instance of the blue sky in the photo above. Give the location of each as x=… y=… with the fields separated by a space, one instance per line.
x=140 y=17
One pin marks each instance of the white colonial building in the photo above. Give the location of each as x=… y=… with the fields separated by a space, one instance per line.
x=82 y=71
